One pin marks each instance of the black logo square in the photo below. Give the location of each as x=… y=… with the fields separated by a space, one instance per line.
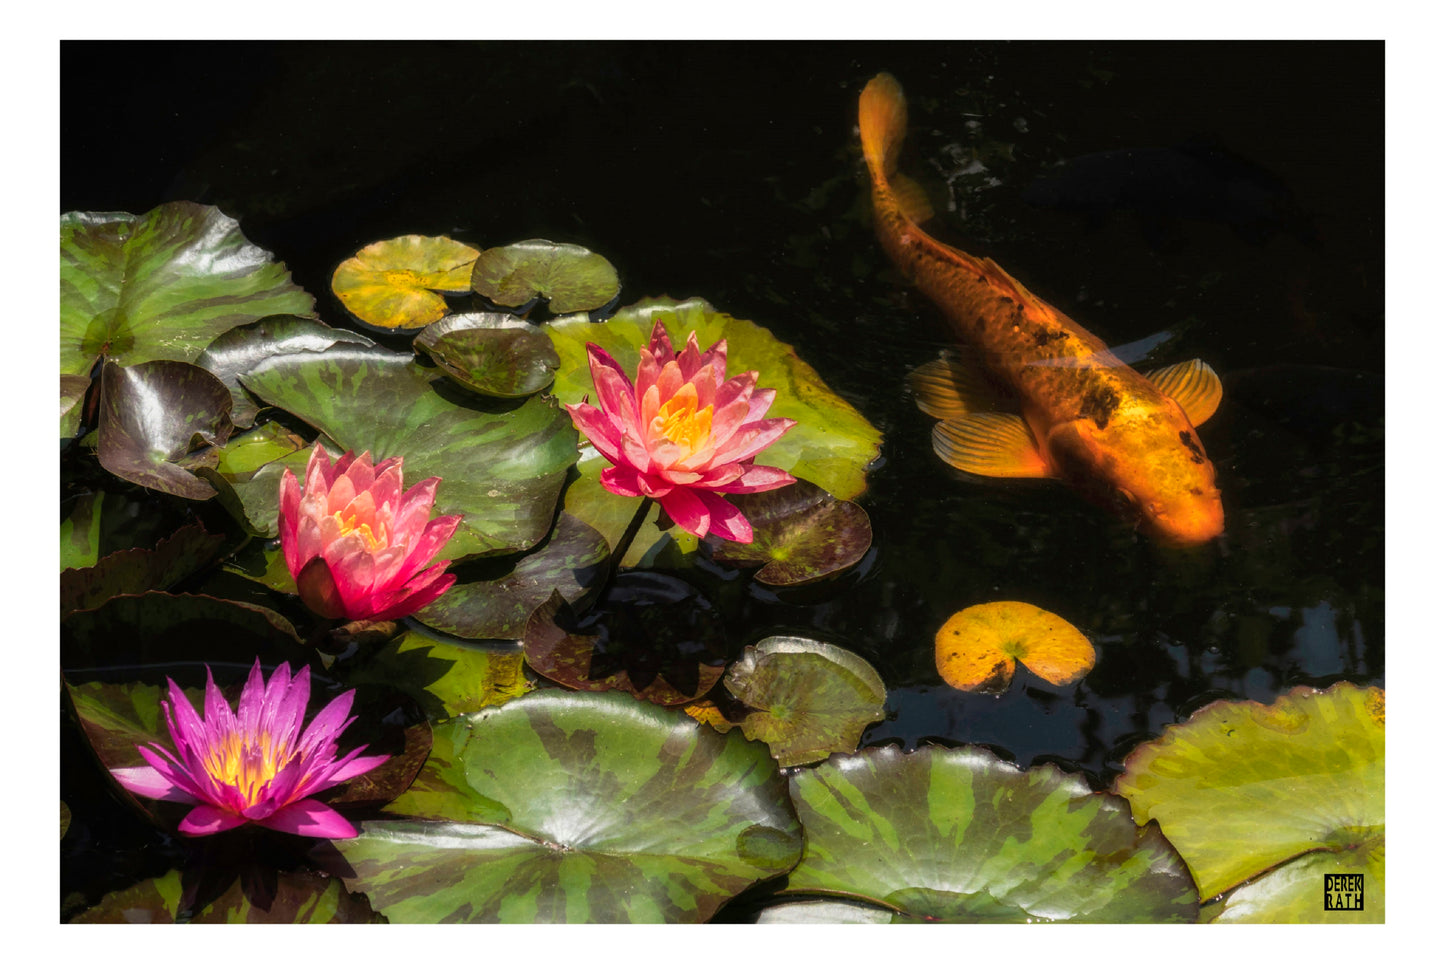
x=1344 y=891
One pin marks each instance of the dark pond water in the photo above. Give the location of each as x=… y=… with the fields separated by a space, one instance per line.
x=1231 y=194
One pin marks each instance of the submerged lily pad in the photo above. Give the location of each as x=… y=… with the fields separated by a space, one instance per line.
x=492 y=599
x=393 y=284
x=297 y=897
x=1274 y=795
x=502 y=463
x=571 y=807
x=160 y=419
x=831 y=446
x=978 y=646
x=955 y=834
x=492 y=353
x=652 y=635
x=570 y=277
x=132 y=571
x=800 y=534
x=242 y=349
x=810 y=699
x=162 y=285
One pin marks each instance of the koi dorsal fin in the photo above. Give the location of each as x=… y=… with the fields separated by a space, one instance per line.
x=994 y=444
x=947 y=387
x=1193 y=385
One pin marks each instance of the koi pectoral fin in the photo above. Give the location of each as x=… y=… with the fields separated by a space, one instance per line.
x=947 y=387
x=1193 y=384
x=994 y=444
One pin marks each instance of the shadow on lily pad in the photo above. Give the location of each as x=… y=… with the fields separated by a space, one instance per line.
x=801 y=534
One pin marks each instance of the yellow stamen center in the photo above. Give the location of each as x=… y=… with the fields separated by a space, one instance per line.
x=680 y=421
x=248 y=762
x=374 y=540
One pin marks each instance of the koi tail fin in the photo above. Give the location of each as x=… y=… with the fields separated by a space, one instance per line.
x=882 y=122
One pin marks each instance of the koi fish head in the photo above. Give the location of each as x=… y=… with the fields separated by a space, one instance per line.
x=1147 y=466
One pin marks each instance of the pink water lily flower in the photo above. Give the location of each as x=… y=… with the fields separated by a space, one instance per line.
x=685 y=434
x=356 y=544
x=254 y=765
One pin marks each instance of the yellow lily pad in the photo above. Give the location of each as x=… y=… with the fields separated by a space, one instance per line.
x=978 y=647
x=394 y=285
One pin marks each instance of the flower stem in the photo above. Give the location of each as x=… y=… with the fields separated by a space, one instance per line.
x=625 y=542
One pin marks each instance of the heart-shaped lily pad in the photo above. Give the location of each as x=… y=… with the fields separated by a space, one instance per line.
x=159 y=419
x=1274 y=795
x=492 y=598
x=977 y=647
x=652 y=635
x=243 y=347
x=831 y=446
x=297 y=897
x=502 y=463
x=800 y=534
x=955 y=834
x=492 y=353
x=570 y=807
x=570 y=277
x=162 y=285
x=393 y=285
x=809 y=698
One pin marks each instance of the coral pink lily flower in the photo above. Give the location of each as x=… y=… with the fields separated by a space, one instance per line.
x=685 y=434
x=254 y=765
x=356 y=544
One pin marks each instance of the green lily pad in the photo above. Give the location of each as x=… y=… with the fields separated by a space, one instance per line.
x=485 y=603
x=955 y=834
x=80 y=529
x=831 y=446
x=1248 y=792
x=502 y=463
x=393 y=285
x=563 y=807
x=132 y=571
x=243 y=455
x=570 y=277
x=651 y=635
x=801 y=534
x=298 y=897
x=243 y=347
x=446 y=679
x=254 y=498
x=492 y=353
x=810 y=698
x=159 y=419
x=72 y=409
x=162 y=285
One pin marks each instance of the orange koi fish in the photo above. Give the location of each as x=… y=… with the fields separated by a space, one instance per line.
x=1124 y=439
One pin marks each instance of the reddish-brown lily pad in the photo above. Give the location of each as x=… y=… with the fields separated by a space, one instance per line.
x=394 y=284
x=491 y=353
x=978 y=647
x=570 y=277
x=801 y=534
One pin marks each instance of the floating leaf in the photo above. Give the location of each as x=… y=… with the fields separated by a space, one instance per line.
x=492 y=353
x=132 y=571
x=244 y=454
x=157 y=420
x=977 y=647
x=161 y=285
x=72 y=409
x=393 y=285
x=502 y=463
x=831 y=446
x=570 y=277
x=810 y=698
x=955 y=834
x=485 y=603
x=1274 y=795
x=80 y=530
x=446 y=679
x=563 y=807
x=652 y=635
x=243 y=347
x=297 y=897
x=800 y=534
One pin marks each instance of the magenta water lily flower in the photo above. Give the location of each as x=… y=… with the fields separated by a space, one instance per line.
x=358 y=546
x=254 y=765
x=685 y=434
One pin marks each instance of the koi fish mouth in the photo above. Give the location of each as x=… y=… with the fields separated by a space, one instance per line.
x=1191 y=524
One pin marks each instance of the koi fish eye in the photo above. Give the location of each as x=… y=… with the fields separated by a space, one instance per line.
x=1125 y=503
